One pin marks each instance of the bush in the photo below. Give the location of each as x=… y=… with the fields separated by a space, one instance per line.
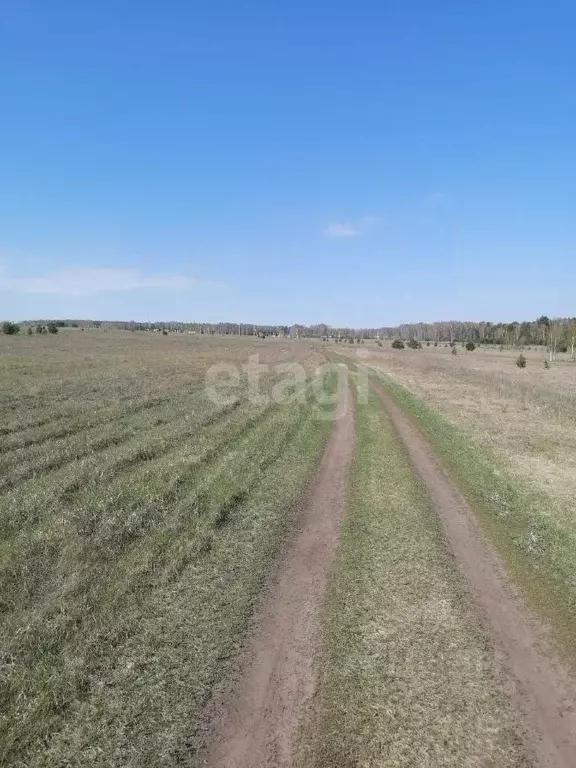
x=454 y=351
x=397 y=344
x=10 y=329
x=30 y=331
x=379 y=343
x=40 y=329
x=164 y=333
x=470 y=346
x=413 y=344
x=521 y=361
x=546 y=364
x=52 y=328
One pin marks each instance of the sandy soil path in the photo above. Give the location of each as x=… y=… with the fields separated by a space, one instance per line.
x=259 y=725
x=542 y=690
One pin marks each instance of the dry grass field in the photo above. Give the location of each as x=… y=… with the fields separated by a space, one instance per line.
x=142 y=518
x=138 y=522
x=508 y=434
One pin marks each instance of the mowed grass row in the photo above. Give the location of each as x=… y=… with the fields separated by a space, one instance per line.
x=538 y=548
x=407 y=677
x=128 y=578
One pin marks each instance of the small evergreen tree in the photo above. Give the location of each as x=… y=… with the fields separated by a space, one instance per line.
x=52 y=328
x=397 y=344
x=470 y=346
x=10 y=329
x=521 y=361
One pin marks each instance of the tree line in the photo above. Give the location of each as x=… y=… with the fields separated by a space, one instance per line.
x=558 y=334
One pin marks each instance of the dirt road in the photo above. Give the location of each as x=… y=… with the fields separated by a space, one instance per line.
x=259 y=726
x=542 y=690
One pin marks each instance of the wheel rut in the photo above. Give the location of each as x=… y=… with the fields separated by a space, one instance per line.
x=542 y=690
x=258 y=726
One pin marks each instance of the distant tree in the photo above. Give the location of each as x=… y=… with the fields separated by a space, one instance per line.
x=397 y=344
x=40 y=329
x=413 y=344
x=10 y=329
x=572 y=338
x=30 y=331
x=53 y=328
x=74 y=325
x=521 y=361
x=470 y=346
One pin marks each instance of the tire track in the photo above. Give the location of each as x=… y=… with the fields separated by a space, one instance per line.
x=259 y=725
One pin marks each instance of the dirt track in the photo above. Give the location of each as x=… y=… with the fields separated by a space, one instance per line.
x=542 y=690
x=259 y=726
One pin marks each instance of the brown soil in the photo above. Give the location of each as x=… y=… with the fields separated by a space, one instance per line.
x=542 y=690
x=259 y=725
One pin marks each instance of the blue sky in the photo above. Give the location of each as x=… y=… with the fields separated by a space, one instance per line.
x=362 y=163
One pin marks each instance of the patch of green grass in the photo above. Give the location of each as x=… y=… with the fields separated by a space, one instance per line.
x=407 y=676
x=539 y=553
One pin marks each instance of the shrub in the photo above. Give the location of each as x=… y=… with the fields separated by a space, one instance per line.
x=40 y=329
x=10 y=329
x=546 y=364
x=521 y=361
x=413 y=344
x=52 y=328
x=164 y=332
x=454 y=351
x=30 y=331
x=435 y=343
x=470 y=346
x=379 y=343
x=397 y=344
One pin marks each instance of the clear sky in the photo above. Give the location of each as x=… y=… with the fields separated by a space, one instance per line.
x=359 y=163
